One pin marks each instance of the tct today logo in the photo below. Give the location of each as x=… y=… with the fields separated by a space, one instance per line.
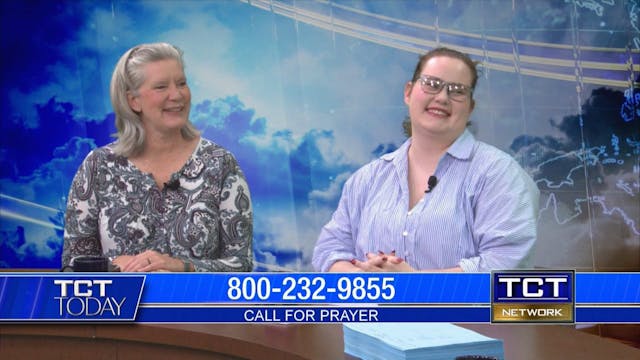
x=97 y=298
x=77 y=298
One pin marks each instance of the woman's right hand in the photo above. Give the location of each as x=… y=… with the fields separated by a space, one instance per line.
x=122 y=261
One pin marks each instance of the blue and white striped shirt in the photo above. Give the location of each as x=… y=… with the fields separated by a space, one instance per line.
x=481 y=215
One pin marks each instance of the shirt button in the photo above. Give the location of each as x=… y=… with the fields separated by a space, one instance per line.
x=409 y=213
x=405 y=233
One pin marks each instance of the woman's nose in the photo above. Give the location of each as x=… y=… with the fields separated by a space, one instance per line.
x=442 y=95
x=175 y=92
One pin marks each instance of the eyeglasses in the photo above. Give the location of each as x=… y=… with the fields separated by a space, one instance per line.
x=433 y=85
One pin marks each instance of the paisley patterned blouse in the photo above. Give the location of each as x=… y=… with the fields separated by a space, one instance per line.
x=203 y=215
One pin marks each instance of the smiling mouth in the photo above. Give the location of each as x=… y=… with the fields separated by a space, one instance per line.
x=174 y=109
x=438 y=112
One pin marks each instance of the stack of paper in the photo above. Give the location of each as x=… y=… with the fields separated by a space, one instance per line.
x=386 y=341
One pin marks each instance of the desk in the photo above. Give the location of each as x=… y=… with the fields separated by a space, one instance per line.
x=239 y=341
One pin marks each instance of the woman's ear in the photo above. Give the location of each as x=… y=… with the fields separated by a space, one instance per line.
x=134 y=104
x=407 y=91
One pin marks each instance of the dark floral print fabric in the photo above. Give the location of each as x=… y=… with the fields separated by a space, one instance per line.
x=202 y=215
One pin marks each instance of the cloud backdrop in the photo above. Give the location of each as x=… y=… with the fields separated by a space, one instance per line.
x=302 y=106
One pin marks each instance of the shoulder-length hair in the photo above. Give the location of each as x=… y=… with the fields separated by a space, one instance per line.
x=128 y=76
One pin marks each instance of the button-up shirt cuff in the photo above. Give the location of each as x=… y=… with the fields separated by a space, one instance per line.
x=469 y=265
x=336 y=256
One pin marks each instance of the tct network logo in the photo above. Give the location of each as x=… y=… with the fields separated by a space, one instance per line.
x=545 y=296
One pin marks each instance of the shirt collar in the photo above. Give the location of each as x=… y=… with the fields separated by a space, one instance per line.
x=399 y=154
x=460 y=149
x=463 y=146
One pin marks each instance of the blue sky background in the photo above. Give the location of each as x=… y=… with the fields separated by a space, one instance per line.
x=302 y=106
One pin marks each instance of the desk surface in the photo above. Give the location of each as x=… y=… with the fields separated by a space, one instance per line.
x=299 y=341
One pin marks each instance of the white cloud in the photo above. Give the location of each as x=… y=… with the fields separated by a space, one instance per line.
x=288 y=231
x=333 y=192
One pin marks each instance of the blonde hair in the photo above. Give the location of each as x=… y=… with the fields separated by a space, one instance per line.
x=128 y=75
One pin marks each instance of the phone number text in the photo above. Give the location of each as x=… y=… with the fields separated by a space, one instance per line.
x=305 y=288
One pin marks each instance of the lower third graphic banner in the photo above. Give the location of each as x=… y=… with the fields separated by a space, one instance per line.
x=523 y=296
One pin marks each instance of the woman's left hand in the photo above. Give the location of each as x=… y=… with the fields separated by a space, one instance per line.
x=382 y=262
x=396 y=264
x=148 y=261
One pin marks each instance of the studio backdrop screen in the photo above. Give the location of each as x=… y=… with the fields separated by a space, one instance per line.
x=306 y=92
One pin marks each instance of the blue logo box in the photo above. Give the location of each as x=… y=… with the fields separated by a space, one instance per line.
x=540 y=296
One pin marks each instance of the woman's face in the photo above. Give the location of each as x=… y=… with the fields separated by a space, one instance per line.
x=164 y=99
x=442 y=115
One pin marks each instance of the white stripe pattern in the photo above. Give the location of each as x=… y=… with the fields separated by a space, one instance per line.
x=480 y=216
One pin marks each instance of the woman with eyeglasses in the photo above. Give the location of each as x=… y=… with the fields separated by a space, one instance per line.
x=443 y=201
x=161 y=197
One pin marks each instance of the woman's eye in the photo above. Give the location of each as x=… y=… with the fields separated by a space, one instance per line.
x=433 y=84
